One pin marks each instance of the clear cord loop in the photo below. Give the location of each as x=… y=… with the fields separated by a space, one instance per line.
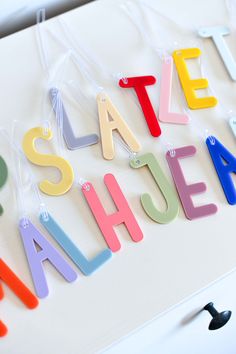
x=167 y=146
x=83 y=64
x=19 y=159
x=132 y=13
x=231 y=8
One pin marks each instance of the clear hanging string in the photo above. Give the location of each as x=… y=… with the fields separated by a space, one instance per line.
x=130 y=10
x=57 y=103
x=88 y=58
x=81 y=64
x=48 y=72
x=138 y=10
x=40 y=18
x=87 y=75
x=19 y=159
x=228 y=113
x=202 y=132
x=86 y=105
x=58 y=108
x=80 y=47
x=55 y=78
x=231 y=9
x=23 y=161
x=87 y=55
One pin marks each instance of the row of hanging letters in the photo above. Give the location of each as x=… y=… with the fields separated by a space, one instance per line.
x=223 y=160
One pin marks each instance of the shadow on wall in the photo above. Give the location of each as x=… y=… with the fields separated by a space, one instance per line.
x=17 y=15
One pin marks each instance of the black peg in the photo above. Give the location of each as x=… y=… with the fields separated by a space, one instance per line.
x=219 y=318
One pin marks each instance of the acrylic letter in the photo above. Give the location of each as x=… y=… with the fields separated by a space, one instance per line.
x=86 y=267
x=106 y=108
x=71 y=140
x=217 y=33
x=186 y=190
x=32 y=236
x=105 y=221
x=165 y=96
x=67 y=175
x=170 y=214
x=139 y=84
x=18 y=288
x=225 y=163
x=191 y=85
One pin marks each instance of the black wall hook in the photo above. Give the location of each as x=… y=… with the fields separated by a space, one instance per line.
x=219 y=318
